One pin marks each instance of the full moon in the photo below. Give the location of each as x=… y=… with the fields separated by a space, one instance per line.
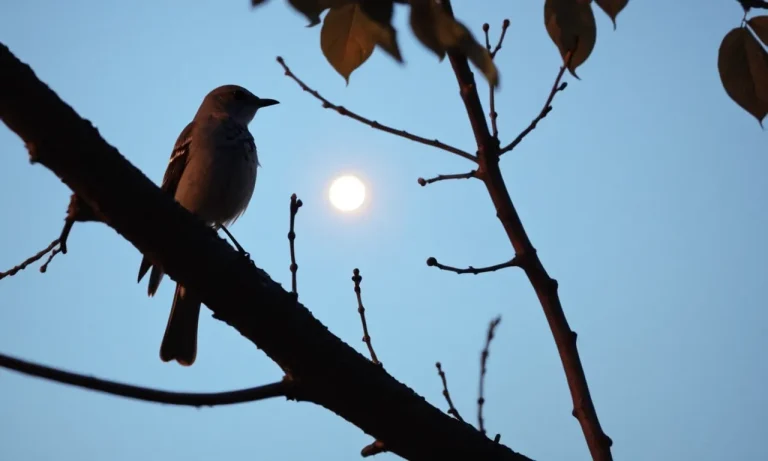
x=347 y=193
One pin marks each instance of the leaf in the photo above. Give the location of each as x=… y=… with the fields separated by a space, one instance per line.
x=612 y=8
x=571 y=23
x=380 y=13
x=759 y=25
x=347 y=38
x=440 y=32
x=747 y=4
x=743 y=67
x=312 y=8
x=758 y=66
x=423 y=21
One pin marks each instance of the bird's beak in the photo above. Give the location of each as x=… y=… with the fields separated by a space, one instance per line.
x=266 y=102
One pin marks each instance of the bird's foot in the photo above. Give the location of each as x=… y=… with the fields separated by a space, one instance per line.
x=240 y=249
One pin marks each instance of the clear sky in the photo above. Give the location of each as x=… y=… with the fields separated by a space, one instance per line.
x=644 y=192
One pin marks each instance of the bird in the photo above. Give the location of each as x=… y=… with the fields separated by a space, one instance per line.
x=211 y=173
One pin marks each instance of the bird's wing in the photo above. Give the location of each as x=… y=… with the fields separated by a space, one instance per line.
x=176 y=165
x=178 y=160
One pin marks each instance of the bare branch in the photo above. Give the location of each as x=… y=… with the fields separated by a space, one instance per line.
x=55 y=251
x=483 y=361
x=545 y=287
x=374 y=448
x=432 y=262
x=278 y=389
x=492 y=91
x=357 y=278
x=556 y=87
x=504 y=27
x=444 y=177
x=295 y=205
x=377 y=446
x=451 y=409
x=372 y=123
x=76 y=211
x=50 y=248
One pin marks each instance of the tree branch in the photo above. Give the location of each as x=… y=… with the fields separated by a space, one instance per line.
x=295 y=205
x=374 y=448
x=357 y=278
x=324 y=369
x=483 y=362
x=492 y=91
x=193 y=399
x=432 y=262
x=372 y=123
x=556 y=87
x=545 y=287
x=451 y=409
x=52 y=248
x=443 y=177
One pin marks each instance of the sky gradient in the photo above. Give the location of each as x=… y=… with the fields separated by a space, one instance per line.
x=643 y=191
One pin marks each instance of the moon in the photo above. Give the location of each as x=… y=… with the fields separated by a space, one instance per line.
x=347 y=193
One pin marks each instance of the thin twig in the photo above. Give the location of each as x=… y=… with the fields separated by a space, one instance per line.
x=295 y=205
x=451 y=409
x=504 y=27
x=377 y=446
x=277 y=389
x=492 y=91
x=443 y=177
x=50 y=248
x=372 y=123
x=55 y=251
x=557 y=86
x=483 y=361
x=431 y=261
x=77 y=211
x=374 y=448
x=357 y=278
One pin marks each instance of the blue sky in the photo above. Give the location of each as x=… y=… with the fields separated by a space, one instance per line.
x=643 y=191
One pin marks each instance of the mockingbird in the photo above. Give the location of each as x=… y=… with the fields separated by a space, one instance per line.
x=212 y=173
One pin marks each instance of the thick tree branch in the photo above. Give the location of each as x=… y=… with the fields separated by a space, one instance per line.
x=373 y=123
x=193 y=399
x=545 y=286
x=324 y=369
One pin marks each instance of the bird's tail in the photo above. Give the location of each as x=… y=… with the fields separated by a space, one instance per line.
x=180 y=339
x=154 y=278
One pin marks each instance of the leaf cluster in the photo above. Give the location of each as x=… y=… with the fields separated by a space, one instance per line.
x=353 y=29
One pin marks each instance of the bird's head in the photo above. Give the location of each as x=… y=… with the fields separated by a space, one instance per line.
x=235 y=101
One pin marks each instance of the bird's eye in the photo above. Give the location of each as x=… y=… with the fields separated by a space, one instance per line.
x=239 y=95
